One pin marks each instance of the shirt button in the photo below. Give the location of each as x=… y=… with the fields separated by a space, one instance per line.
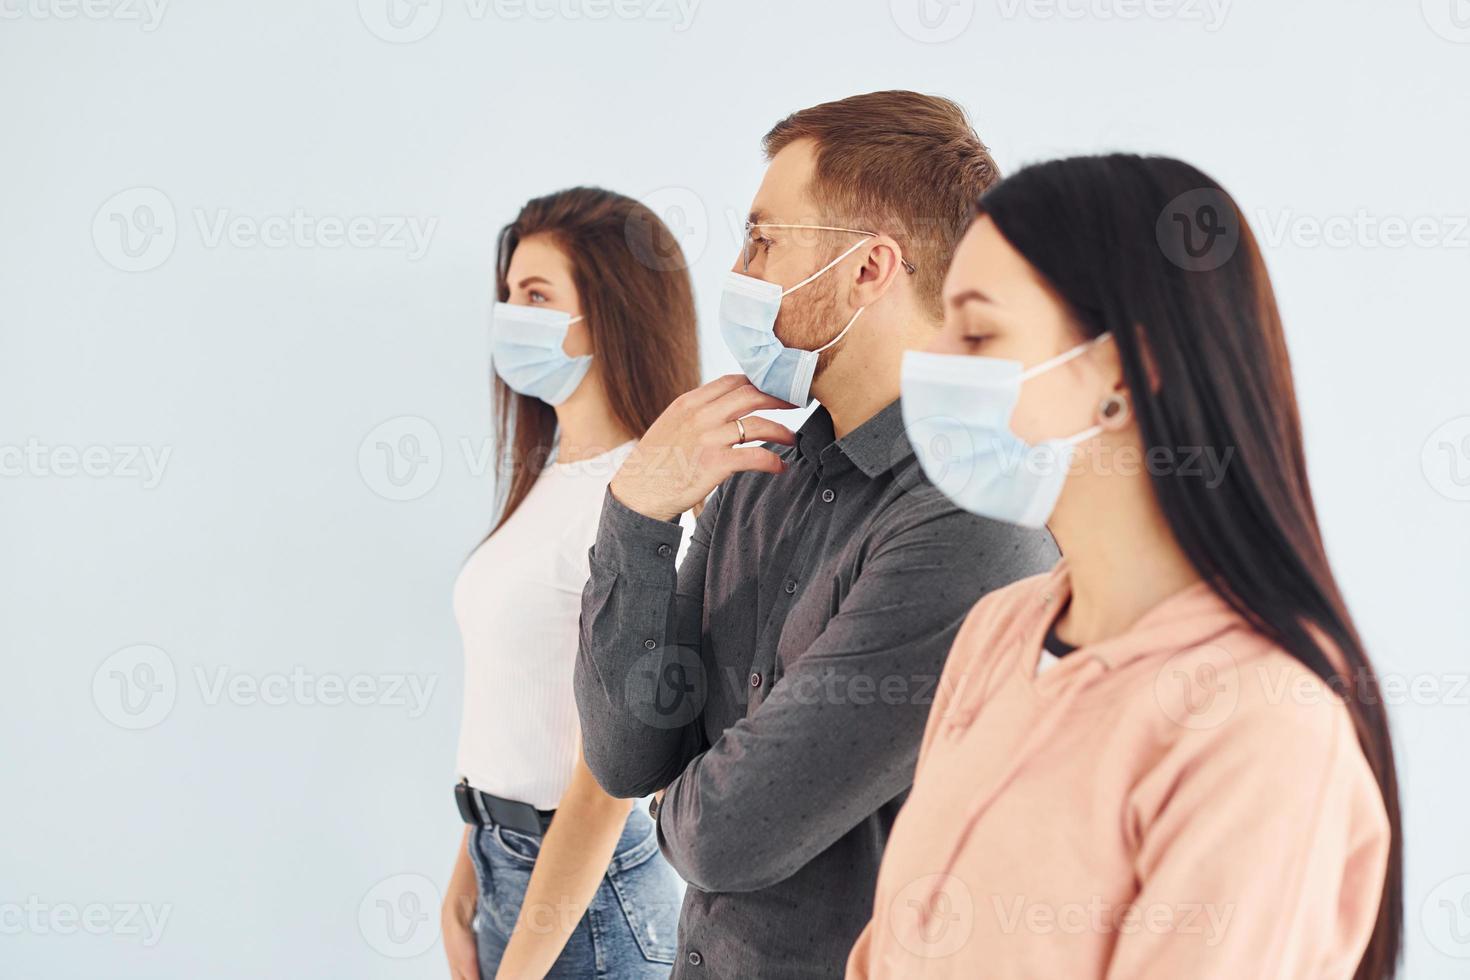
x=694 y=958
x=755 y=679
x=828 y=496
x=649 y=644
x=791 y=587
x=664 y=551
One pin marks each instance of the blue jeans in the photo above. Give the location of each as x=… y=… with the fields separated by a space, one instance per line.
x=629 y=930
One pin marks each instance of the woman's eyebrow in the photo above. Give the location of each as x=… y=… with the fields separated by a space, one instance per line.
x=969 y=296
x=532 y=279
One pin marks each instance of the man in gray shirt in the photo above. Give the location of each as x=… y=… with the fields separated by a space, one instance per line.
x=774 y=691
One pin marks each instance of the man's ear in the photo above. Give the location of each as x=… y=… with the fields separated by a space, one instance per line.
x=881 y=265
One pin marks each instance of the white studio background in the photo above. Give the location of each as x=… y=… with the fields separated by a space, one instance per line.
x=245 y=455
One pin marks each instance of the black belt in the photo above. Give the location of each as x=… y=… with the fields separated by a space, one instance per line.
x=479 y=808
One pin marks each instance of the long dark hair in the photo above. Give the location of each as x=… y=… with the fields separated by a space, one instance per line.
x=634 y=285
x=1156 y=253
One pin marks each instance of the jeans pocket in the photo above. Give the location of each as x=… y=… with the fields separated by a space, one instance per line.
x=520 y=848
x=649 y=893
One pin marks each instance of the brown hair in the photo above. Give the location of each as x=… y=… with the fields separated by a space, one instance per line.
x=634 y=283
x=904 y=164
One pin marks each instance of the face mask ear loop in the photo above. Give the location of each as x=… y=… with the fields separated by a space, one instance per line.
x=843 y=332
x=1064 y=357
x=569 y=322
x=823 y=270
x=1083 y=436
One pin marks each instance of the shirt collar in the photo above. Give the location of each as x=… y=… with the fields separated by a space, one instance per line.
x=874 y=447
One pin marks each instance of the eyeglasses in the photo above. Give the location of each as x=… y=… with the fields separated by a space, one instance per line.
x=754 y=241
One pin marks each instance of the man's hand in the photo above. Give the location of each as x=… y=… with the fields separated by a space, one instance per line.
x=690 y=449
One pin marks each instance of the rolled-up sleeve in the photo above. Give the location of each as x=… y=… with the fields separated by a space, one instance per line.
x=839 y=734
x=636 y=682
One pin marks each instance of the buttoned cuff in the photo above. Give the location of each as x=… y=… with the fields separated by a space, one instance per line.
x=635 y=545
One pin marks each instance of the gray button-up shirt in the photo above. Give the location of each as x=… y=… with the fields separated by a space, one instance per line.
x=779 y=687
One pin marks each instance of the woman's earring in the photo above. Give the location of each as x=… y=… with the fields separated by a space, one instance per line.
x=1114 y=408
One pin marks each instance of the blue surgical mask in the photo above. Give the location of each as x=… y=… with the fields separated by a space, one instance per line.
x=526 y=351
x=957 y=412
x=748 y=311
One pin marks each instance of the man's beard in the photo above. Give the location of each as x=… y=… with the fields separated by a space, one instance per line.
x=809 y=319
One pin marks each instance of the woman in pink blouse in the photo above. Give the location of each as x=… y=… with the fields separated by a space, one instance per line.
x=1168 y=758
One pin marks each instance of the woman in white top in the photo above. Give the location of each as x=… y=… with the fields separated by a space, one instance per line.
x=593 y=336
